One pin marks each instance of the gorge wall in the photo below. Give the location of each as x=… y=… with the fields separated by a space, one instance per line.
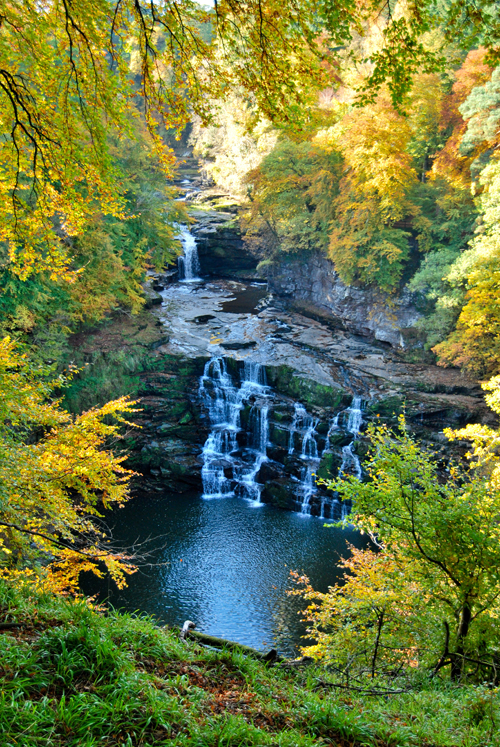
x=311 y=284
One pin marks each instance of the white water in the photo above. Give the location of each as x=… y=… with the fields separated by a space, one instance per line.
x=233 y=455
x=334 y=426
x=350 y=460
x=188 y=264
x=299 y=416
x=304 y=426
x=227 y=469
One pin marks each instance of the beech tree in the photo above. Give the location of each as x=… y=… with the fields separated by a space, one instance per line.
x=56 y=478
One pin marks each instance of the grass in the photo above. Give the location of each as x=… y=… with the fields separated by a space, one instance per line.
x=76 y=677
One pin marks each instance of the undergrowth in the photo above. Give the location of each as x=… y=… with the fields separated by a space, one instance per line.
x=74 y=676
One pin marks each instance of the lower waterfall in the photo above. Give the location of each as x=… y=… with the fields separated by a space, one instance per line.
x=230 y=467
x=241 y=407
x=350 y=460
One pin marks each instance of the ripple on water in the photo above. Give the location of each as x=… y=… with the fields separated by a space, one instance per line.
x=226 y=566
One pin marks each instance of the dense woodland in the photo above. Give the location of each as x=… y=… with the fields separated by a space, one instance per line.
x=368 y=132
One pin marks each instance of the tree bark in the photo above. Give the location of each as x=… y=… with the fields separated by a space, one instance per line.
x=457 y=664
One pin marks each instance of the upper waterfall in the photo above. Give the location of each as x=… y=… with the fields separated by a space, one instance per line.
x=188 y=263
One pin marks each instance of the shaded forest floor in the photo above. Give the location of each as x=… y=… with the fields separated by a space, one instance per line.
x=77 y=677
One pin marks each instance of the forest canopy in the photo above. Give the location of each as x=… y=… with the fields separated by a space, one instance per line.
x=383 y=156
x=74 y=73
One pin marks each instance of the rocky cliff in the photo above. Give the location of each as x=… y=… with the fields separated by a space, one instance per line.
x=311 y=285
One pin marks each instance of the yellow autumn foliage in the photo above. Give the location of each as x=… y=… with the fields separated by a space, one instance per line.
x=56 y=478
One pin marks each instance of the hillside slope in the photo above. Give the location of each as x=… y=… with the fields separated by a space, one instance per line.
x=73 y=676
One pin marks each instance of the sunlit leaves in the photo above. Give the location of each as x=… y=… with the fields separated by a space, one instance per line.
x=55 y=475
x=439 y=558
x=365 y=244
x=476 y=342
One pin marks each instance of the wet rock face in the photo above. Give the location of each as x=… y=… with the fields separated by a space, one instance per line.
x=165 y=448
x=267 y=447
x=312 y=286
x=310 y=432
x=221 y=249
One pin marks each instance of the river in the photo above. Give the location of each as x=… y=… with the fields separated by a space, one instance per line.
x=271 y=400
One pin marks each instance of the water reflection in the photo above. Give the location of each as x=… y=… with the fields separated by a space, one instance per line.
x=225 y=565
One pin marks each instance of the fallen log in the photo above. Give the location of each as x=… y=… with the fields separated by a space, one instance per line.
x=11 y=625
x=210 y=640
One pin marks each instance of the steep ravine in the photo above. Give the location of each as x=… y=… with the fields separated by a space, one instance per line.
x=202 y=422
x=245 y=401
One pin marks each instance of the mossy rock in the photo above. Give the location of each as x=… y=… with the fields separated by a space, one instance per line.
x=286 y=382
x=362 y=449
x=340 y=438
x=278 y=435
x=278 y=493
x=282 y=416
x=329 y=466
x=388 y=408
x=245 y=416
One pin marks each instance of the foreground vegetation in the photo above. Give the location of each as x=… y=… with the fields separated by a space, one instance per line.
x=70 y=675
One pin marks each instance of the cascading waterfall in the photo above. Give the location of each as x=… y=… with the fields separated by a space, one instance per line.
x=188 y=264
x=355 y=416
x=227 y=469
x=350 y=460
x=334 y=426
x=236 y=447
x=351 y=419
x=305 y=425
x=300 y=414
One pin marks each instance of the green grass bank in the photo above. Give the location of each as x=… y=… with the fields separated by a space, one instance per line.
x=80 y=678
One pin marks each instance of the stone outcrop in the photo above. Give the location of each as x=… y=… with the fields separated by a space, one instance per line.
x=312 y=286
x=221 y=249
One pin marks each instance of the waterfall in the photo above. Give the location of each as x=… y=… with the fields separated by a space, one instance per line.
x=188 y=264
x=350 y=460
x=238 y=406
x=305 y=425
x=227 y=469
x=309 y=444
x=308 y=486
x=334 y=426
x=299 y=416
x=355 y=416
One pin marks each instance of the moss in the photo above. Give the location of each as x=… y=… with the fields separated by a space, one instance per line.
x=387 y=408
x=278 y=436
x=329 y=466
x=286 y=382
x=278 y=494
x=339 y=438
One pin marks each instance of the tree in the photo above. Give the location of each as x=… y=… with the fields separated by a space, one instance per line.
x=65 y=84
x=56 y=478
x=475 y=344
x=439 y=564
x=373 y=622
x=366 y=244
x=292 y=194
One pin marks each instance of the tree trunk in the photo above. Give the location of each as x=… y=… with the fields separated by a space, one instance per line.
x=457 y=664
